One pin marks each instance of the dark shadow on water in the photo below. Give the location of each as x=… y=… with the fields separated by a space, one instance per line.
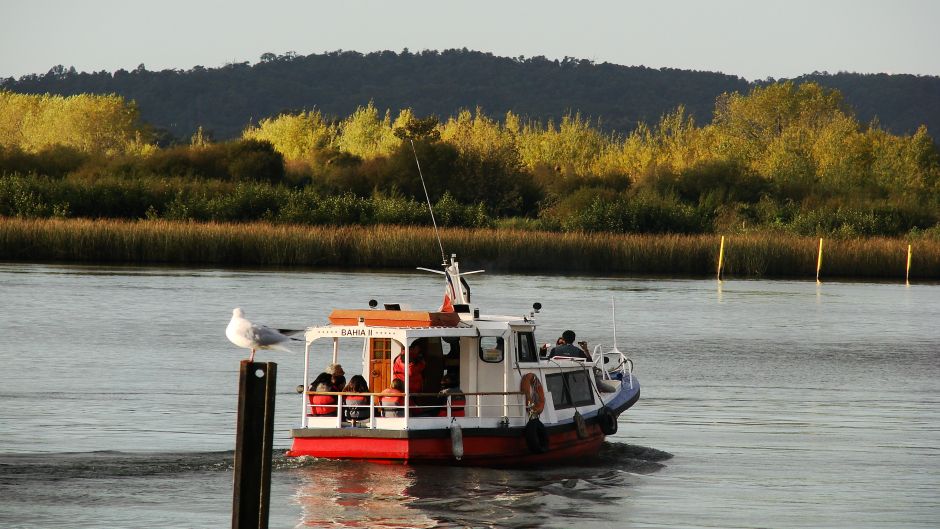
x=357 y=494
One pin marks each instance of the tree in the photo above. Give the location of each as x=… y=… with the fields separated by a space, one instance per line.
x=365 y=135
x=295 y=136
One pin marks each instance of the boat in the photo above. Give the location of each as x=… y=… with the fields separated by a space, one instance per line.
x=514 y=404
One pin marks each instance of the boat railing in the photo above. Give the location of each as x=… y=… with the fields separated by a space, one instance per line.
x=418 y=406
x=613 y=365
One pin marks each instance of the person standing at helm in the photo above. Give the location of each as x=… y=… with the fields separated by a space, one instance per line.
x=415 y=368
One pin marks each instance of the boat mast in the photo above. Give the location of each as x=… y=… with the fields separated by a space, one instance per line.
x=428 y=198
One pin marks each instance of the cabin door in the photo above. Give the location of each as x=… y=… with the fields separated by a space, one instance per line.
x=380 y=364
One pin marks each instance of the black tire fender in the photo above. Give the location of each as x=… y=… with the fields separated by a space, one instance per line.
x=536 y=436
x=607 y=421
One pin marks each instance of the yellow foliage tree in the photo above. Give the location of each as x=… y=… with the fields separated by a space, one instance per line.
x=747 y=125
x=105 y=124
x=366 y=135
x=571 y=148
x=478 y=136
x=295 y=136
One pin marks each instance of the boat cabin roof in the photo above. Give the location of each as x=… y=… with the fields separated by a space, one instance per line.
x=404 y=325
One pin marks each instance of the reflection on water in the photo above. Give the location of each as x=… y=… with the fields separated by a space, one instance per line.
x=359 y=494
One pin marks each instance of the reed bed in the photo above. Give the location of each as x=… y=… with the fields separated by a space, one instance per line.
x=263 y=244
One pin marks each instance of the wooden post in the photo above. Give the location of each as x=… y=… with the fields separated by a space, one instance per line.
x=819 y=260
x=721 y=256
x=907 y=273
x=257 y=384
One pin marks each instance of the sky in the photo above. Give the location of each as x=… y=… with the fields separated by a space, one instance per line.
x=754 y=39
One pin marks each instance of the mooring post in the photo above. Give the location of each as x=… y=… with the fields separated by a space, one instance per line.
x=721 y=257
x=907 y=271
x=257 y=384
x=819 y=260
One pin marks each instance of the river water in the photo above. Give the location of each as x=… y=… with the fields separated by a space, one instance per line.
x=765 y=403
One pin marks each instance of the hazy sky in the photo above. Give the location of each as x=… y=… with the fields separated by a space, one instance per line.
x=749 y=38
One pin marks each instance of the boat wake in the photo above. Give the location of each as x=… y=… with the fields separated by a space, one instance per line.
x=108 y=464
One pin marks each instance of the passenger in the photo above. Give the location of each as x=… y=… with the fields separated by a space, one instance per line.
x=324 y=405
x=322 y=378
x=415 y=368
x=568 y=348
x=356 y=407
x=449 y=386
x=337 y=380
x=393 y=399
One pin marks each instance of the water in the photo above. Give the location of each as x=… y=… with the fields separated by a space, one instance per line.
x=782 y=403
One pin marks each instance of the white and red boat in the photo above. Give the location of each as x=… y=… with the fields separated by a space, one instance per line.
x=515 y=405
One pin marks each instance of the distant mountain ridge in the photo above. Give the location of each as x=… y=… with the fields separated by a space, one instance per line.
x=225 y=100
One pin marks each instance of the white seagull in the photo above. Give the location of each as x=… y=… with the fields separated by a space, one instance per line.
x=243 y=333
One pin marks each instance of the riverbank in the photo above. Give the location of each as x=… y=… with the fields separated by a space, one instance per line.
x=263 y=244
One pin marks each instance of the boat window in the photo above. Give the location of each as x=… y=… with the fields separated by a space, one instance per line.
x=570 y=389
x=381 y=348
x=527 y=351
x=556 y=386
x=579 y=387
x=491 y=349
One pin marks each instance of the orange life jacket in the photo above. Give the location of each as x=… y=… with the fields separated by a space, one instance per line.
x=323 y=404
x=356 y=407
x=415 y=373
x=393 y=397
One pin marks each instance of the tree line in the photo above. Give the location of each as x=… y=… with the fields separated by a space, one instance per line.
x=224 y=100
x=783 y=156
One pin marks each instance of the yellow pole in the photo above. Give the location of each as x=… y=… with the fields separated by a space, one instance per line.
x=907 y=273
x=721 y=256
x=819 y=261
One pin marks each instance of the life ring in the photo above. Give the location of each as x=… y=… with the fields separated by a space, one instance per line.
x=534 y=393
x=579 y=426
x=607 y=421
x=536 y=436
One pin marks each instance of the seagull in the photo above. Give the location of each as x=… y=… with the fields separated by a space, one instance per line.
x=243 y=333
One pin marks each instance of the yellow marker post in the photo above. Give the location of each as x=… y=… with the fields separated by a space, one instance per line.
x=819 y=261
x=907 y=273
x=721 y=256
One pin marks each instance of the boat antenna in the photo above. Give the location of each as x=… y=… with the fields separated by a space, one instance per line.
x=613 y=315
x=428 y=198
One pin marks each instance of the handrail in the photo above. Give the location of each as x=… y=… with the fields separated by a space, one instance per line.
x=479 y=393
x=375 y=405
x=625 y=365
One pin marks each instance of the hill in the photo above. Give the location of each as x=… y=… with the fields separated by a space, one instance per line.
x=224 y=100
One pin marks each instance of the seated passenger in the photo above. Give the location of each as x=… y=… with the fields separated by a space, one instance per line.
x=568 y=348
x=323 y=405
x=322 y=378
x=337 y=378
x=356 y=407
x=449 y=386
x=393 y=399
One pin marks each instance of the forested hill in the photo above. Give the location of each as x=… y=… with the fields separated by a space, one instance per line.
x=224 y=100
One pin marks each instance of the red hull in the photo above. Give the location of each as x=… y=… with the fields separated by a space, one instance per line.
x=480 y=449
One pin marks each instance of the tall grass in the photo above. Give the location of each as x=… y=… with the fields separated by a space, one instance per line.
x=264 y=244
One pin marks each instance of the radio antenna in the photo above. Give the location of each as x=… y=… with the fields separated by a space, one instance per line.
x=428 y=198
